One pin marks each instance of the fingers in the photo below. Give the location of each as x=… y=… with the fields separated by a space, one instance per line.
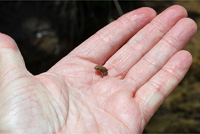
x=172 y=42
x=10 y=56
x=144 y=40
x=105 y=42
x=153 y=93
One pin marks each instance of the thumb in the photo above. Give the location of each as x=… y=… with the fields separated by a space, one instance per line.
x=10 y=56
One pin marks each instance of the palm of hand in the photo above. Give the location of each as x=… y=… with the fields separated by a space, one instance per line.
x=98 y=101
x=48 y=100
x=72 y=98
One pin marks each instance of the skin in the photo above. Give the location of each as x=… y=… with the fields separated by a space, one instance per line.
x=142 y=52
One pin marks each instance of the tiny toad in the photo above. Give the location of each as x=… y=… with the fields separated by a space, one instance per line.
x=101 y=69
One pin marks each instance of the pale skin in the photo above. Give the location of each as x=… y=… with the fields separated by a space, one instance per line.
x=71 y=98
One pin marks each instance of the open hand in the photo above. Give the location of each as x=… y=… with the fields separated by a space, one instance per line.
x=143 y=55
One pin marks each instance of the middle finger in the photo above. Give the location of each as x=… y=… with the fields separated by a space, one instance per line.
x=120 y=63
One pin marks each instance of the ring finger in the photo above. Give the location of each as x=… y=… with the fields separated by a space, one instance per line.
x=121 y=62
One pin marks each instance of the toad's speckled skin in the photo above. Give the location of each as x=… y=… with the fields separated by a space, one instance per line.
x=102 y=70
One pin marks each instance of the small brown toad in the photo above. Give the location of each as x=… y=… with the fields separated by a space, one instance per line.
x=101 y=69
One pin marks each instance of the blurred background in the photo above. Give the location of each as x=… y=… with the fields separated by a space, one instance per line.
x=47 y=31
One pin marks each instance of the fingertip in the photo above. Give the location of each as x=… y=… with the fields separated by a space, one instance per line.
x=149 y=10
x=146 y=13
x=181 y=60
x=185 y=56
x=192 y=24
x=179 y=8
x=189 y=23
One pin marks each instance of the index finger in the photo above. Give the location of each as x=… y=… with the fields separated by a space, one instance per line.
x=102 y=45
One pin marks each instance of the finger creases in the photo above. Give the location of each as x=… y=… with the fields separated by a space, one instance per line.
x=156 y=58
x=145 y=39
x=102 y=45
x=10 y=56
x=153 y=93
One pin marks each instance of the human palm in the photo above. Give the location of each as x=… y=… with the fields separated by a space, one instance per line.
x=144 y=60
